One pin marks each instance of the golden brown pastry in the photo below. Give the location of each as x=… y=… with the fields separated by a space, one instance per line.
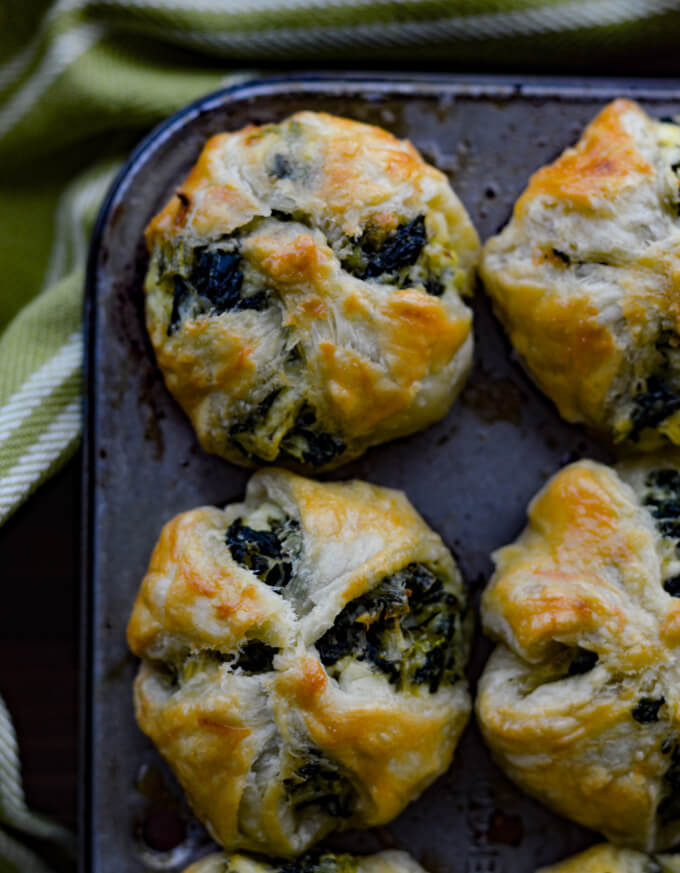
x=302 y=659
x=304 y=292
x=610 y=859
x=579 y=701
x=586 y=277
x=314 y=862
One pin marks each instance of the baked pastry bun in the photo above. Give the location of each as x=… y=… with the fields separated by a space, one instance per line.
x=302 y=659
x=304 y=295
x=586 y=277
x=579 y=701
x=391 y=861
x=605 y=858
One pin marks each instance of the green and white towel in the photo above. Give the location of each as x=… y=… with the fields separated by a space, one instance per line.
x=82 y=80
x=15 y=816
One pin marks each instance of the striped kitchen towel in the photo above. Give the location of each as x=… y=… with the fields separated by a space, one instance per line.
x=14 y=814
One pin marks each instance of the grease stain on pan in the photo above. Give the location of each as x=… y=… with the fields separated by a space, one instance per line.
x=494 y=398
x=165 y=835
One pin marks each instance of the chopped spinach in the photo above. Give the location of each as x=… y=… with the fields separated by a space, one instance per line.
x=669 y=807
x=663 y=500
x=214 y=285
x=304 y=442
x=256 y=657
x=255 y=416
x=320 y=782
x=180 y=296
x=263 y=551
x=583 y=662
x=216 y=275
x=252 y=658
x=653 y=405
x=564 y=662
x=319 y=861
x=375 y=254
x=646 y=710
x=672 y=586
x=282 y=167
x=409 y=627
x=168 y=671
x=434 y=286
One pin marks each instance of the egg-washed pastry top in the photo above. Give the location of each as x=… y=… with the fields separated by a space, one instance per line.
x=391 y=861
x=302 y=659
x=304 y=292
x=579 y=702
x=605 y=858
x=586 y=277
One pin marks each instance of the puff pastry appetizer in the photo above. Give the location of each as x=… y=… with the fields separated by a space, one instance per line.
x=586 y=278
x=579 y=701
x=304 y=295
x=610 y=859
x=302 y=659
x=313 y=862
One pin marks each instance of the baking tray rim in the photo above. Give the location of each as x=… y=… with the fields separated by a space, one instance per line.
x=341 y=83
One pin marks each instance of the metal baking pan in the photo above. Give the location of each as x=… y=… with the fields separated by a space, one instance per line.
x=470 y=475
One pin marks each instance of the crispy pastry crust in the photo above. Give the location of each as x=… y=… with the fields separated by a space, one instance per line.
x=244 y=741
x=579 y=701
x=327 y=234
x=586 y=279
x=391 y=861
x=605 y=858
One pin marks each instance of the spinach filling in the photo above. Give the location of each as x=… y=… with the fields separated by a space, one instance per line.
x=657 y=398
x=281 y=167
x=669 y=807
x=409 y=627
x=256 y=657
x=214 y=285
x=250 y=422
x=672 y=586
x=320 y=783
x=566 y=661
x=268 y=552
x=646 y=710
x=252 y=658
x=376 y=255
x=303 y=441
x=653 y=405
x=318 y=861
x=582 y=661
x=663 y=500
